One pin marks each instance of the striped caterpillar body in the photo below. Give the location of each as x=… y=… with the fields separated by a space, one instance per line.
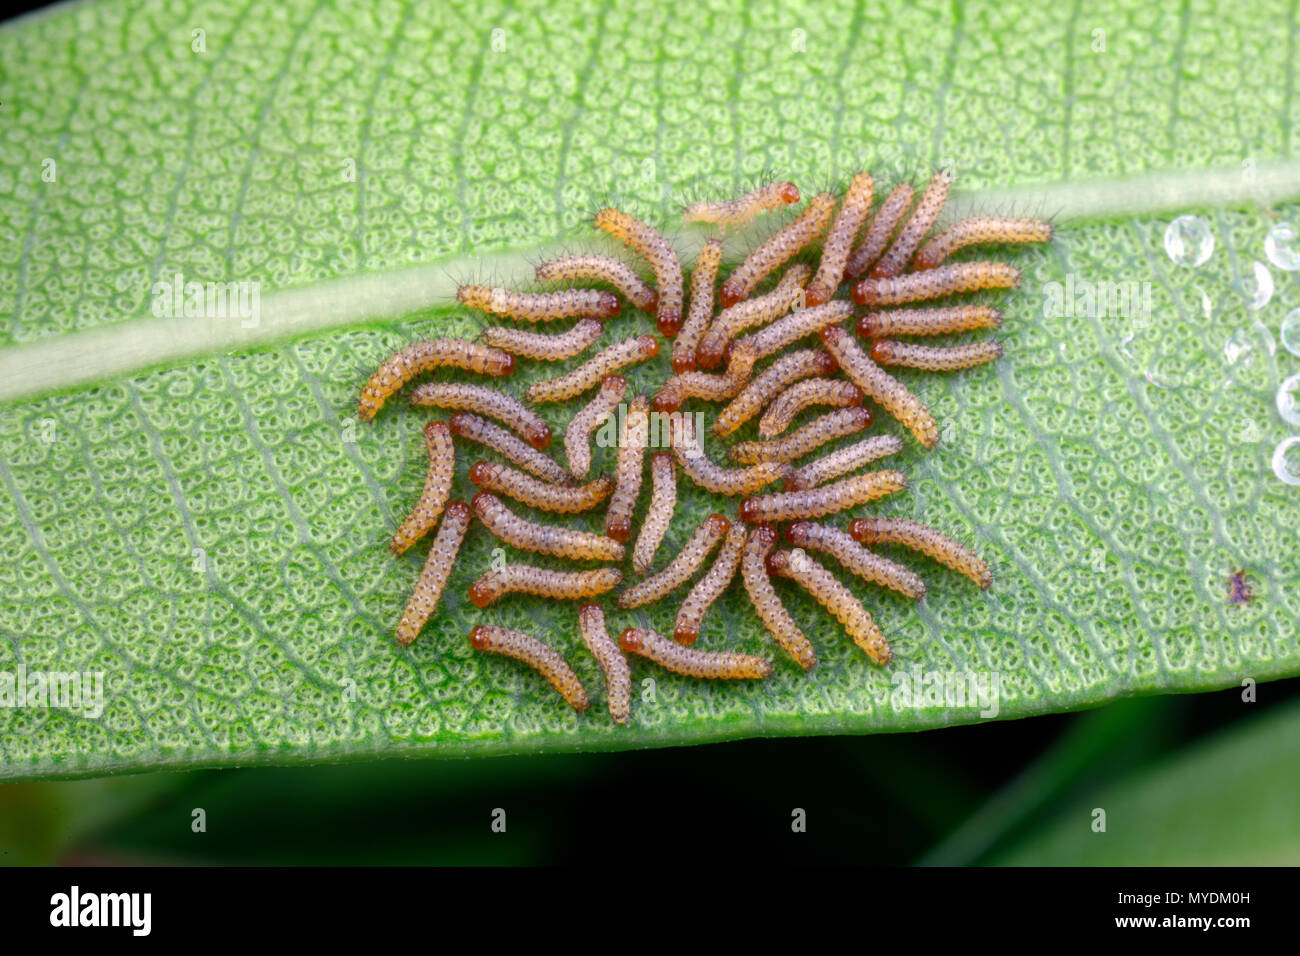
x=663 y=501
x=711 y=388
x=935 y=358
x=542 y=538
x=767 y=605
x=749 y=314
x=794 y=327
x=811 y=391
x=882 y=227
x=710 y=587
x=842 y=461
x=782 y=373
x=828 y=499
x=540 y=306
x=546 y=348
x=957 y=318
x=835 y=597
x=888 y=392
x=701 y=306
x=929 y=541
x=420 y=357
x=710 y=665
x=835 y=251
x=865 y=564
x=936 y=283
x=650 y=244
x=577 y=437
x=970 y=232
x=486 y=401
x=922 y=220
x=437 y=488
x=618 y=676
x=686 y=563
x=600 y=269
x=542 y=582
x=778 y=249
x=508 y=446
x=604 y=363
x=736 y=212
x=539 y=494
x=634 y=436
x=818 y=432
x=437 y=567
x=712 y=477
x=529 y=650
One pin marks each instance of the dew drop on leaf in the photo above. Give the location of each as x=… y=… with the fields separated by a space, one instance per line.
x=1291 y=332
x=1257 y=289
x=1282 y=248
x=1288 y=400
x=1286 y=460
x=1189 y=241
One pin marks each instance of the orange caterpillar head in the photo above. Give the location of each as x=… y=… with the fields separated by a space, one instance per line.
x=670 y=322
x=869 y=326
x=630 y=640
x=539 y=436
x=686 y=634
x=436 y=428
x=666 y=400
x=717 y=524
x=620 y=529
x=456 y=510
x=879 y=351
x=797 y=533
x=478 y=636
x=480 y=472
x=609 y=306
x=778 y=564
x=481 y=597
x=789 y=193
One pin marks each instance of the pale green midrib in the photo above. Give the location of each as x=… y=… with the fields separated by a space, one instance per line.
x=95 y=355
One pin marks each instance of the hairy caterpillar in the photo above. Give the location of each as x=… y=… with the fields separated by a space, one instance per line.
x=927 y=540
x=701 y=307
x=618 y=676
x=835 y=597
x=604 y=363
x=486 y=401
x=577 y=437
x=420 y=357
x=663 y=501
x=842 y=461
x=815 y=502
x=634 y=436
x=835 y=251
x=887 y=391
x=542 y=538
x=936 y=283
x=683 y=565
x=811 y=391
x=437 y=566
x=750 y=313
x=782 y=373
x=711 y=388
x=650 y=244
x=546 y=348
x=956 y=318
x=794 y=327
x=540 y=306
x=542 y=582
x=736 y=212
x=778 y=249
x=509 y=446
x=935 y=358
x=690 y=455
x=529 y=650
x=819 y=431
x=970 y=232
x=437 y=488
x=845 y=549
x=922 y=220
x=882 y=227
x=709 y=587
x=602 y=269
x=711 y=665
x=540 y=494
x=767 y=605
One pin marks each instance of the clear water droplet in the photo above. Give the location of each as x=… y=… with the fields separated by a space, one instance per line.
x=1239 y=348
x=1207 y=307
x=1286 y=460
x=1282 y=248
x=1291 y=332
x=1189 y=241
x=1288 y=400
x=1256 y=289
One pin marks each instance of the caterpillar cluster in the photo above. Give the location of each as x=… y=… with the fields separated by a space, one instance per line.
x=731 y=349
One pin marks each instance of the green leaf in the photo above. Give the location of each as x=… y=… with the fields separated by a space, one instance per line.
x=188 y=509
